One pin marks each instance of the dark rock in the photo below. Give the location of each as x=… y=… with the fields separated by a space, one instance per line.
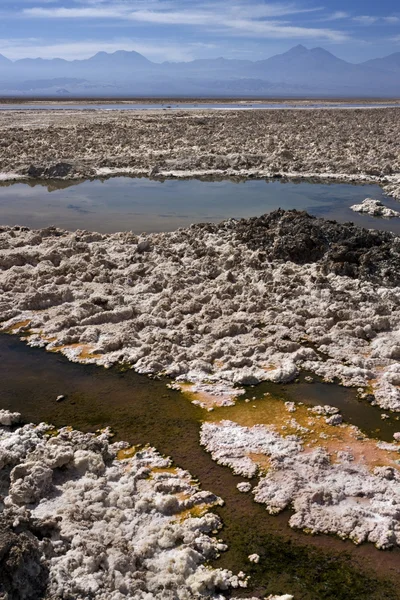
x=343 y=249
x=57 y=171
x=35 y=172
x=23 y=572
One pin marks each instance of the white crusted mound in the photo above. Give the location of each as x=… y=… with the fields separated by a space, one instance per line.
x=8 y=418
x=375 y=208
x=200 y=306
x=341 y=497
x=107 y=526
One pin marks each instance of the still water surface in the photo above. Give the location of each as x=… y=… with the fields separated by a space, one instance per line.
x=145 y=205
x=190 y=106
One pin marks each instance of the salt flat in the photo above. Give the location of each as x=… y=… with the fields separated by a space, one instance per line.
x=351 y=144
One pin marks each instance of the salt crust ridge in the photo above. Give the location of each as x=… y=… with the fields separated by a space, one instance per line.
x=342 y=497
x=208 y=305
x=88 y=522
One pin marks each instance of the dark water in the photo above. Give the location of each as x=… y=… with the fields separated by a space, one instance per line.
x=141 y=204
x=144 y=410
x=191 y=106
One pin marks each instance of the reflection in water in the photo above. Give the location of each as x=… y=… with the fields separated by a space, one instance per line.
x=145 y=205
x=143 y=410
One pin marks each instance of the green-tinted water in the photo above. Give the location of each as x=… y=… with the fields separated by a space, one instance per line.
x=142 y=410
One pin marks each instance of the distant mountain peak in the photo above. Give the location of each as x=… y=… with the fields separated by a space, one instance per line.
x=120 y=56
x=389 y=63
x=298 y=48
x=4 y=59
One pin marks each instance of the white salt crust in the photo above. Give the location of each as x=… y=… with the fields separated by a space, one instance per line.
x=342 y=497
x=198 y=306
x=375 y=208
x=8 y=418
x=111 y=528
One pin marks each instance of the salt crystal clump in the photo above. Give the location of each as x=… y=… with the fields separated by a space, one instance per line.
x=375 y=208
x=8 y=418
x=244 y=486
x=325 y=410
x=334 y=420
x=255 y=558
x=341 y=497
x=104 y=520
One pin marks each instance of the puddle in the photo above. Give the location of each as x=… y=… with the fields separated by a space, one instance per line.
x=141 y=410
x=146 y=205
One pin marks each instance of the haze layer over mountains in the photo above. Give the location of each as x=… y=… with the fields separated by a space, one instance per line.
x=298 y=72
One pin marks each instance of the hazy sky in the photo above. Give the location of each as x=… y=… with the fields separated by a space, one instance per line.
x=186 y=29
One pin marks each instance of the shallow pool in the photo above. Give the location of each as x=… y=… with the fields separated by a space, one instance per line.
x=145 y=410
x=146 y=205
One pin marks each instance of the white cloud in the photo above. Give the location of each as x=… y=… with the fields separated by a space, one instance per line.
x=392 y=20
x=254 y=19
x=275 y=29
x=366 y=20
x=338 y=15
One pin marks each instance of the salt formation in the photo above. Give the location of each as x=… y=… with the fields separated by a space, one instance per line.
x=216 y=305
x=9 y=418
x=350 y=145
x=328 y=495
x=255 y=558
x=244 y=486
x=81 y=517
x=375 y=208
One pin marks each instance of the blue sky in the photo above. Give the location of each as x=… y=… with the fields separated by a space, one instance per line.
x=355 y=30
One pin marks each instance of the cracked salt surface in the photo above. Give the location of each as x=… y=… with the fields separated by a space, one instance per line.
x=217 y=306
x=91 y=518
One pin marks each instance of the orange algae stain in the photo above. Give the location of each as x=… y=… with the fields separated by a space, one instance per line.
x=269 y=368
x=17 y=326
x=84 y=354
x=263 y=461
x=204 y=399
x=126 y=453
x=311 y=429
x=171 y=470
x=197 y=511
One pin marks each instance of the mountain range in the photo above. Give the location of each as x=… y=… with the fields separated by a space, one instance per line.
x=297 y=72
